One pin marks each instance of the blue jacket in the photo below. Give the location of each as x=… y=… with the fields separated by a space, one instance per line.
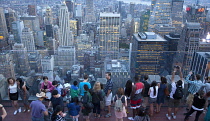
x=74 y=109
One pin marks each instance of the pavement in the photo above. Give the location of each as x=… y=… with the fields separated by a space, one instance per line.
x=157 y=116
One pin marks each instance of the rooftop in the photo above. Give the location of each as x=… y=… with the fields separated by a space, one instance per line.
x=148 y=36
x=109 y=15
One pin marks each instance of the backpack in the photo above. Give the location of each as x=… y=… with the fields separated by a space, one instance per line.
x=118 y=104
x=178 y=93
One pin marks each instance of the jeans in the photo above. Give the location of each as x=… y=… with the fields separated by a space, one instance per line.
x=97 y=108
x=37 y=119
x=190 y=112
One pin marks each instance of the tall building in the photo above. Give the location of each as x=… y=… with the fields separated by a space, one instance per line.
x=189 y=43
x=21 y=59
x=163 y=29
x=3 y=29
x=10 y=17
x=47 y=63
x=144 y=21
x=7 y=66
x=177 y=14
x=71 y=6
x=109 y=33
x=32 y=10
x=89 y=12
x=147 y=56
x=65 y=36
x=161 y=14
x=132 y=8
x=31 y=22
x=48 y=16
x=27 y=39
x=17 y=27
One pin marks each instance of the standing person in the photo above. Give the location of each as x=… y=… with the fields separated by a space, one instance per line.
x=145 y=92
x=142 y=115
x=24 y=94
x=153 y=92
x=47 y=87
x=161 y=93
x=206 y=90
x=120 y=113
x=38 y=109
x=3 y=111
x=87 y=98
x=81 y=85
x=174 y=102
x=58 y=115
x=128 y=90
x=108 y=93
x=136 y=97
x=198 y=105
x=207 y=117
x=74 y=90
x=57 y=86
x=97 y=96
x=193 y=88
x=13 y=94
x=74 y=109
x=56 y=100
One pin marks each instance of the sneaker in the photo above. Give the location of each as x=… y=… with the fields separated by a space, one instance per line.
x=108 y=115
x=173 y=116
x=28 y=110
x=130 y=118
x=168 y=117
x=15 y=112
x=19 y=110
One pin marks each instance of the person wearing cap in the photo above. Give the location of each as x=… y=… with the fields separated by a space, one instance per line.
x=3 y=111
x=38 y=109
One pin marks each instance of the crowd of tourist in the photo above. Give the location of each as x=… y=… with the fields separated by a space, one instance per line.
x=141 y=96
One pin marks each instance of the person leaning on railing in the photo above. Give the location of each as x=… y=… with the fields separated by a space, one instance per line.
x=3 y=111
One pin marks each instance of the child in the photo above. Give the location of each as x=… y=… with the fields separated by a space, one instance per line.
x=142 y=115
x=153 y=92
x=74 y=109
x=58 y=115
x=74 y=91
x=120 y=95
x=198 y=105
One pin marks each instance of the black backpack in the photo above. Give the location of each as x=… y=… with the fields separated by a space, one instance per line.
x=178 y=93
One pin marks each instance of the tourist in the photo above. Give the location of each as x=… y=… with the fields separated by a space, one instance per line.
x=47 y=87
x=58 y=115
x=56 y=100
x=81 y=85
x=87 y=101
x=153 y=92
x=74 y=108
x=145 y=91
x=74 y=90
x=161 y=93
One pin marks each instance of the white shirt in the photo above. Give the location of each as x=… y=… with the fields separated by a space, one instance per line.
x=173 y=89
x=151 y=95
x=13 y=88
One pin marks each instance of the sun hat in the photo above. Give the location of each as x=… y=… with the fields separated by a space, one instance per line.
x=42 y=94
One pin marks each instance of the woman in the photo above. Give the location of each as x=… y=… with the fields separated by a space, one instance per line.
x=153 y=92
x=161 y=94
x=24 y=94
x=128 y=90
x=13 y=94
x=87 y=98
x=47 y=87
x=97 y=96
x=58 y=115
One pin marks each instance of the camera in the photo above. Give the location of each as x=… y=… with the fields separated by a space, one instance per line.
x=177 y=67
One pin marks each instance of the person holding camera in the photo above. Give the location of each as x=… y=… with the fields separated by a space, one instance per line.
x=4 y=112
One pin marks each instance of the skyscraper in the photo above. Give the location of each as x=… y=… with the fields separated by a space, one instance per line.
x=109 y=34
x=48 y=23
x=27 y=39
x=71 y=5
x=32 y=10
x=65 y=36
x=3 y=29
x=132 y=8
x=17 y=27
x=89 y=12
x=7 y=66
x=10 y=17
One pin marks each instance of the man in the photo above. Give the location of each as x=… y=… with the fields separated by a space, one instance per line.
x=38 y=108
x=193 y=88
x=57 y=86
x=3 y=111
x=56 y=100
x=81 y=85
x=174 y=103
x=146 y=90
x=108 y=93
x=136 y=97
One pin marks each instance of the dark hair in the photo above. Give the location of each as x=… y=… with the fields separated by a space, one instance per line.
x=179 y=83
x=208 y=94
x=198 y=76
x=128 y=88
x=142 y=111
x=45 y=77
x=109 y=73
x=75 y=83
x=154 y=83
x=76 y=100
x=102 y=86
x=136 y=78
x=54 y=92
x=54 y=115
x=86 y=87
x=146 y=77
x=163 y=80
x=9 y=79
x=86 y=76
x=201 y=93
x=21 y=82
x=54 y=82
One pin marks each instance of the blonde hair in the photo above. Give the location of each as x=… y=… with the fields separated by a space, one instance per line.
x=97 y=86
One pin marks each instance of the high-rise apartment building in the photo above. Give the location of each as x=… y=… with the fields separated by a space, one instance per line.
x=65 y=36
x=71 y=6
x=89 y=11
x=147 y=56
x=32 y=10
x=7 y=66
x=109 y=33
x=3 y=29
x=31 y=22
x=17 y=27
x=27 y=39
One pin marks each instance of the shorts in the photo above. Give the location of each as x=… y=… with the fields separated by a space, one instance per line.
x=173 y=103
x=145 y=102
x=13 y=96
x=135 y=103
x=160 y=99
x=108 y=99
x=190 y=99
x=152 y=100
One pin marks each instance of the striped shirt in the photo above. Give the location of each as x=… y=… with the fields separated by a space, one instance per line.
x=109 y=85
x=194 y=85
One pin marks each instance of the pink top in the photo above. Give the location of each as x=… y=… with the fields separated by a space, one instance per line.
x=49 y=86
